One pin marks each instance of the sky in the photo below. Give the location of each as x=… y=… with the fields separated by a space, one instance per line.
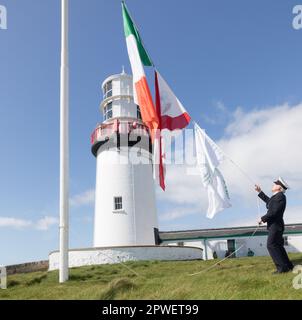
x=236 y=67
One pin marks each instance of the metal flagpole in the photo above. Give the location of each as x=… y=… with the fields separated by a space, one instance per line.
x=64 y=146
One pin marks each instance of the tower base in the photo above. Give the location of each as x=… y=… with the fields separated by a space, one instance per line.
x=111 y=255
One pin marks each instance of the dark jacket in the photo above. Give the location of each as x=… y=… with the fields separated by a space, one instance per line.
x=276 y=206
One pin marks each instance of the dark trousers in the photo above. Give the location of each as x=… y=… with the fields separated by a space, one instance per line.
x=275 y=247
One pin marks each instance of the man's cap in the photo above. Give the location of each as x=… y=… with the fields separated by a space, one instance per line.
x=281 y=182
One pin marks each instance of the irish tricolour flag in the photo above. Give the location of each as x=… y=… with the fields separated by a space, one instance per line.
x=168 y=113
x=138 y=58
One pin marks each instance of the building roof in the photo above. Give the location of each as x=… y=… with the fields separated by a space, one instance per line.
x=223 y=232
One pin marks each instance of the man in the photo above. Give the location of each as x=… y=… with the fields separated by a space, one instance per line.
x=274 y=218
x=250 y=253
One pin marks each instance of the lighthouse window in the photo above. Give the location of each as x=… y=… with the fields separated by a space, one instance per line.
x=118 y=203
x=139 y=115
x=108 y=90
x=108 y=111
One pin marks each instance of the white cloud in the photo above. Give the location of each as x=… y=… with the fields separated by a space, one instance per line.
x=46 y=222
x=42 y=224
x=265 y=144
x=14 y=223
x=221 y=107
x=183 y=189
x=84 y=198
x=179 y=212
x=294 y=214
x=222 y=115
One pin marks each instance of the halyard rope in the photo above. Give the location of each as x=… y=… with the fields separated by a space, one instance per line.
x=220 y=261
x=257 y=228
x=114 y=261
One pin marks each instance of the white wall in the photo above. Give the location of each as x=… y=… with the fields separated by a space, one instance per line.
x=122 y=85
x=294 y=243
x=117 y=176
x=84 y=257
x=256 y=244
x=123 y=107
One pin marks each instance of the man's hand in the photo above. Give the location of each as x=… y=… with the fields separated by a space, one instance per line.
x=257 y=188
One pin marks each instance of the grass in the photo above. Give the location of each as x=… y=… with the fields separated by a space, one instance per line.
x=241 y=278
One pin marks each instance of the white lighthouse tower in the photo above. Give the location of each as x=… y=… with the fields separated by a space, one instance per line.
x=125 y=224
x=125 y=207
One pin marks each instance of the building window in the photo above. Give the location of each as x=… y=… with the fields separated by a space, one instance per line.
x=108 y=111
x=181 y=244
x=285 y=240
x=118 y=203
x=138 y=113
x=108 y=90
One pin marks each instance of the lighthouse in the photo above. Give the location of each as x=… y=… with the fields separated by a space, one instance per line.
x=125 y=205
x=125 y=217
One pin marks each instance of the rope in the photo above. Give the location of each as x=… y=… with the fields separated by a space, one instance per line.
x=257 y=228
x=220 y=261
x=119 y=261
x=124 y=265
x=241 y=170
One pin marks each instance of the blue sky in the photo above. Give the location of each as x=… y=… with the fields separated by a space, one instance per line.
x=227 y=61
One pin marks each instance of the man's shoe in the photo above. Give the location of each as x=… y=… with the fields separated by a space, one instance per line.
x=281 y=271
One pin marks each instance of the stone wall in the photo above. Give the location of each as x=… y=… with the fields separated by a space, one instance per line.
x=28 y=267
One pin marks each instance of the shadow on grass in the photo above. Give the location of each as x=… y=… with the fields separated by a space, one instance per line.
x=116 y=286
x=296 y=261
x=36 y=280
x=80 y=277
x=13 y=283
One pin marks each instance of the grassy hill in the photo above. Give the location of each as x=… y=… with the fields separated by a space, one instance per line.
x=241 y=278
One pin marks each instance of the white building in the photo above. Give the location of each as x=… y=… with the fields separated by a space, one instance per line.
x=125 y=205
x=230 y=239
x=125 y=224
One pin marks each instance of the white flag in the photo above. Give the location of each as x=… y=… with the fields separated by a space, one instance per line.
x=209 y=156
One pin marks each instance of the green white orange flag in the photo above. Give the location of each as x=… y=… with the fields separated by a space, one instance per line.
x=169 y=112
x=139 y=57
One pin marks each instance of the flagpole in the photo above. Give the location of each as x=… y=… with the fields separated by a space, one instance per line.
x=64 y=146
